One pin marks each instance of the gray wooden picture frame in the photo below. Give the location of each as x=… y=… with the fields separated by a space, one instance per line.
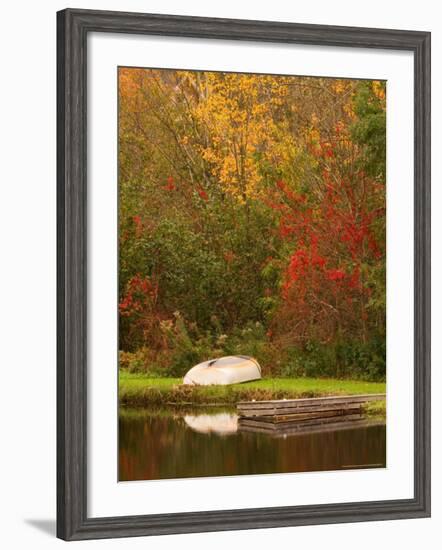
x=73 y=27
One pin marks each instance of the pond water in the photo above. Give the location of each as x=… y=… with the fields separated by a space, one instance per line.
x=177 y=443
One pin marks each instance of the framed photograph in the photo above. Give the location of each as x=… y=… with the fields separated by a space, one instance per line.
x=243 y=274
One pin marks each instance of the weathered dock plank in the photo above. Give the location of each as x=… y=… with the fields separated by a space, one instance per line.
x=297 y=410
x=310 y=402
x=298 y=417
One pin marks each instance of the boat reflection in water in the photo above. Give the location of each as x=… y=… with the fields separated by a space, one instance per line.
x=219 y=423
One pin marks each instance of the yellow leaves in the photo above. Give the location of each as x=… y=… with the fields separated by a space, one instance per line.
x=349 y=110
x=339 y=86
x=237 y=115
x=236 y=130
x=209 y=155
x=128 y=81
x=378 y=89
x=314 y=135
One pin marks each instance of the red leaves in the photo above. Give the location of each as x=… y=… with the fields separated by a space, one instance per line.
x=138 y=225
x=285 y=230
x=354 y=280
x=140 y=290
x=290 y=197
x=229 y=256
x=299 y=262
x=170 y=185
x=332 y=240
x=303 y=270
x=339 y=127
x=318 y=261
x=203 y=194
x=125 y=304
x=335 y=274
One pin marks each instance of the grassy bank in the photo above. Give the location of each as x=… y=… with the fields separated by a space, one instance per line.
x=376 y=409
x=137 y=390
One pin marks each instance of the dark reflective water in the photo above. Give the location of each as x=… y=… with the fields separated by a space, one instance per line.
x=165 y=444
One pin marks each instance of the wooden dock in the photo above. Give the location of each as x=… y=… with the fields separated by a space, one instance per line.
x=306 y=428
x=300 y=415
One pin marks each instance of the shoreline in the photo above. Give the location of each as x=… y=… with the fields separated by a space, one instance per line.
x=138 y=391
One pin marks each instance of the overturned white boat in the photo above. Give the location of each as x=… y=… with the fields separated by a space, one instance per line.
x=225 y=370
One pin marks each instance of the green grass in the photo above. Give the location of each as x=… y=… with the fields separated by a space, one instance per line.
x=139 y=390
x=376 y=409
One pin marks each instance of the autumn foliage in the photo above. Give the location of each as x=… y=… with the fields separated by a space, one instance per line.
x=252 y=220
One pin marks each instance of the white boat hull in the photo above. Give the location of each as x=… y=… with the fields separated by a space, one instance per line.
x=224 y=371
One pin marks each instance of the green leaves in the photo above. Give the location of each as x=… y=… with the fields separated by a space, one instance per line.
x=369 y=131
